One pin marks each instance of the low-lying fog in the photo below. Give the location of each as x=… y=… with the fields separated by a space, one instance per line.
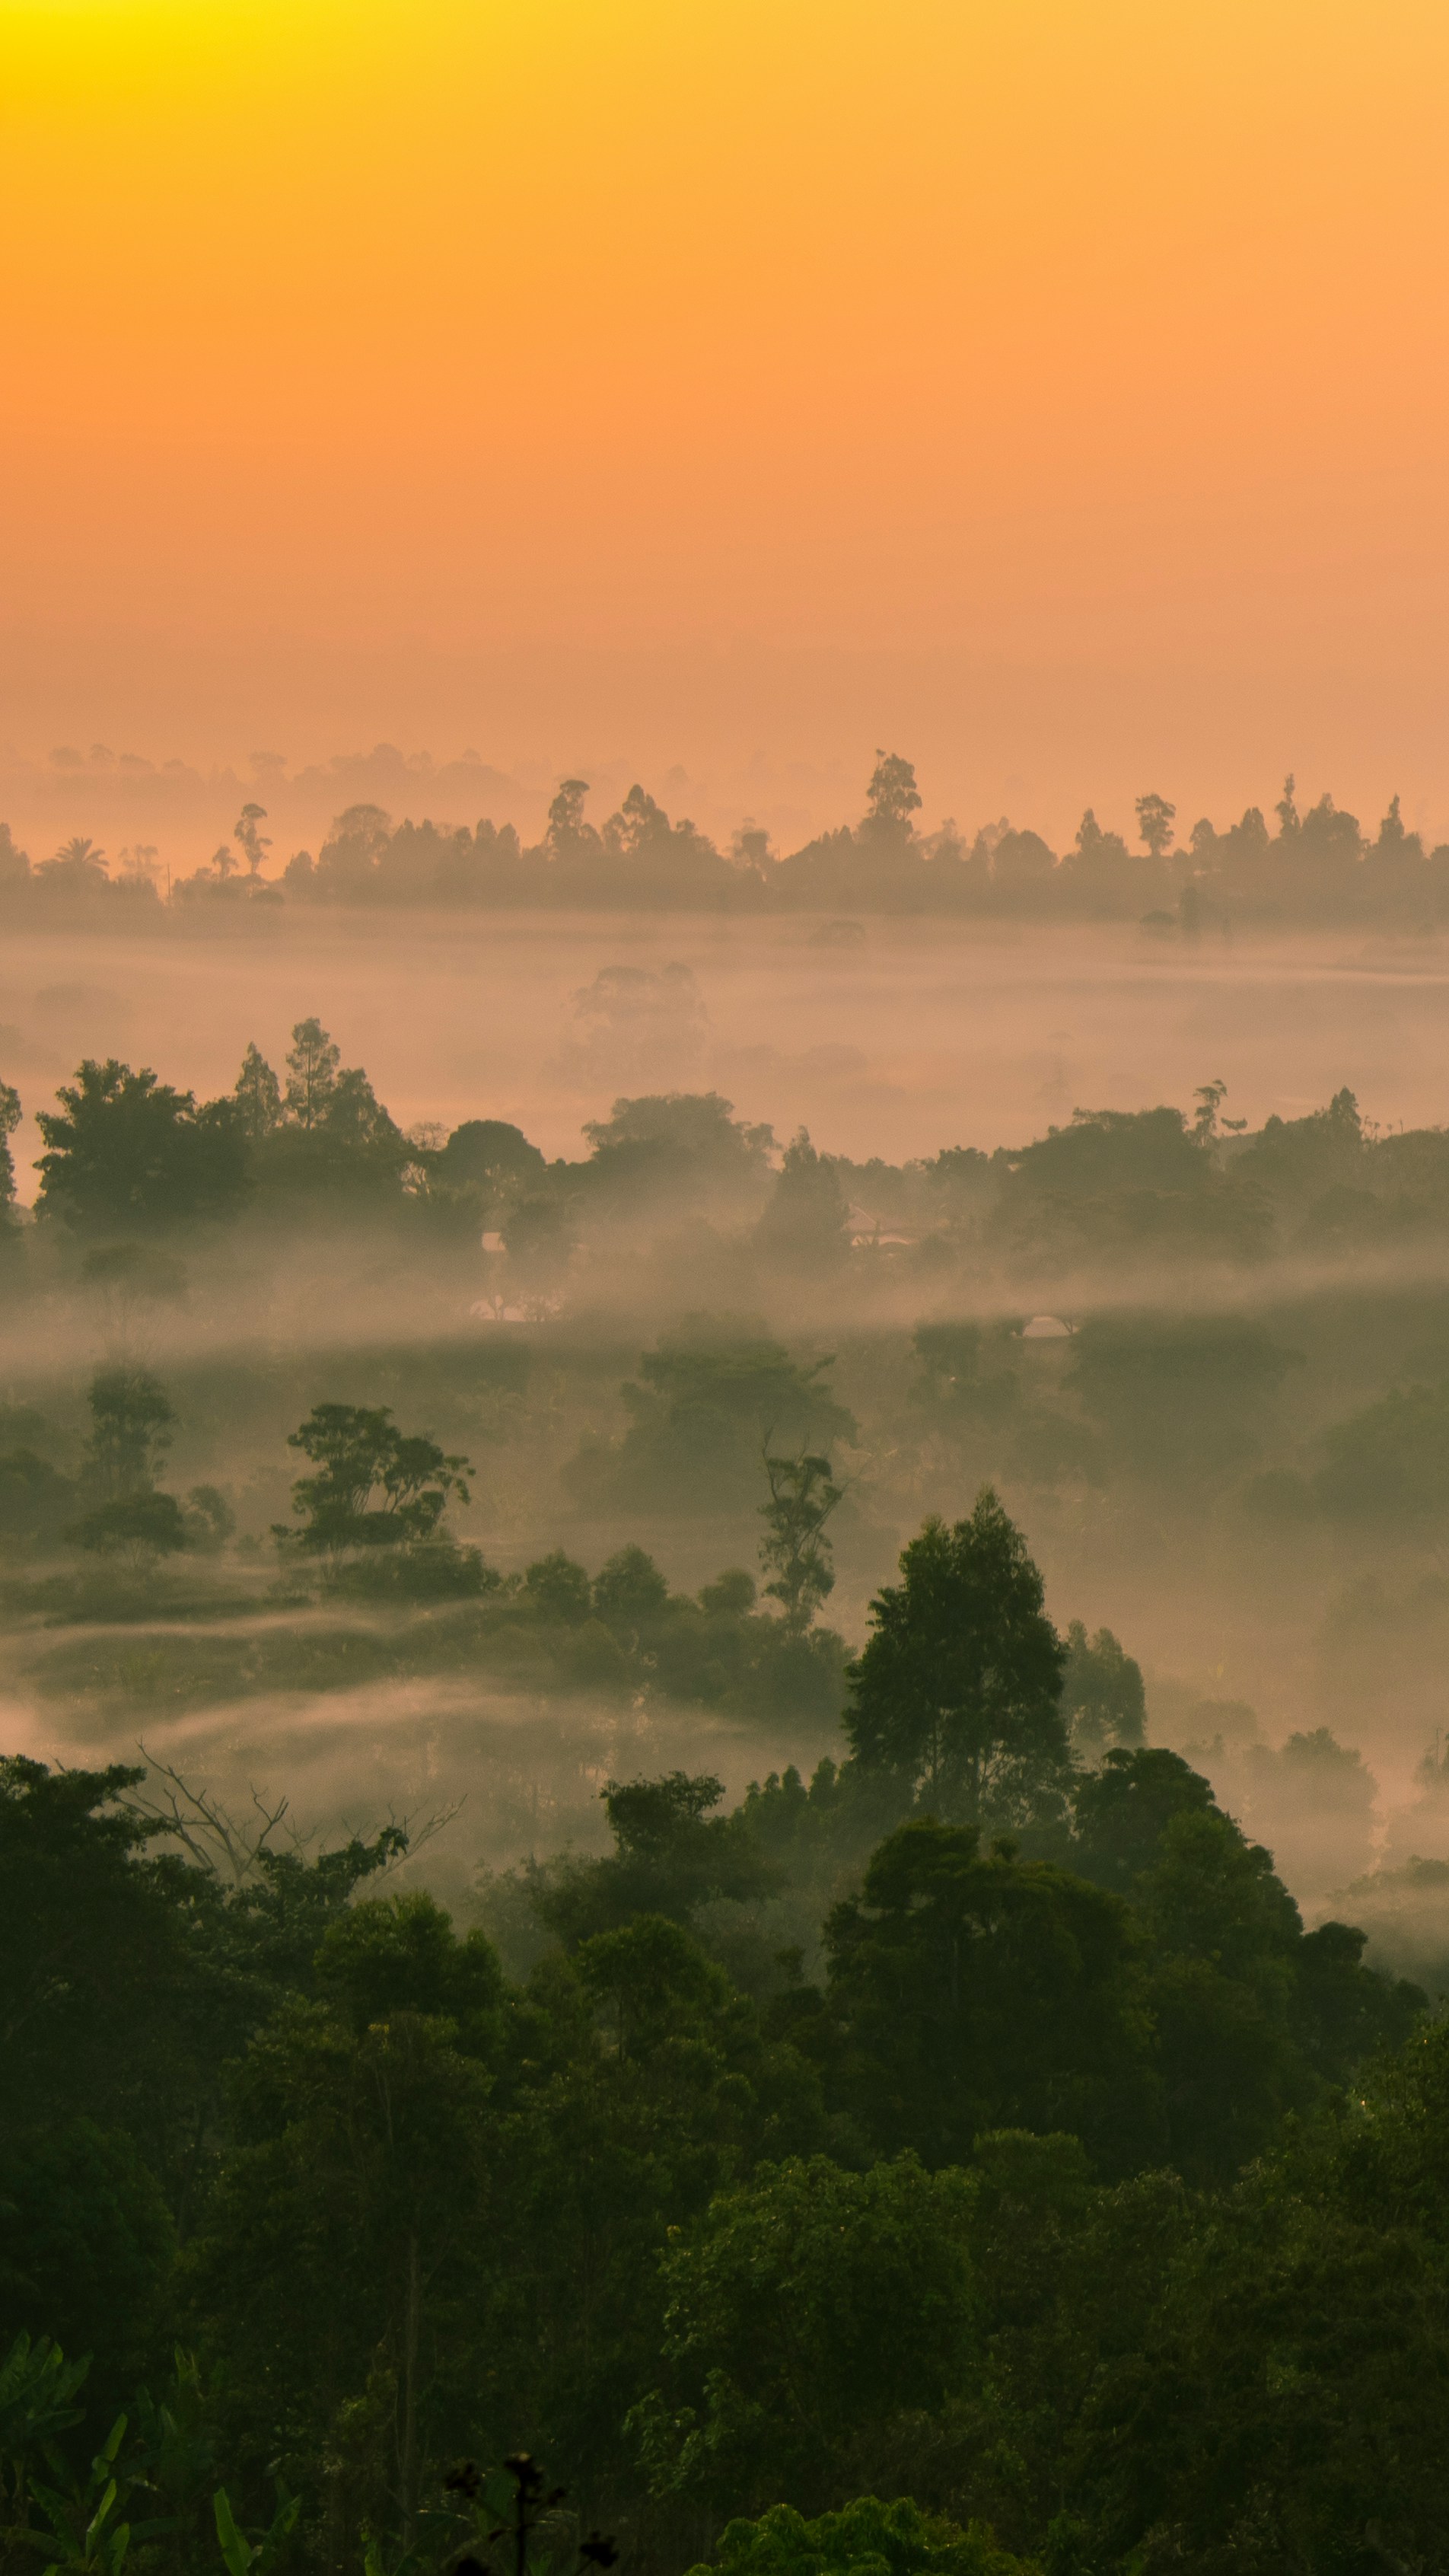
x=889 y=1037
x=886 y=1038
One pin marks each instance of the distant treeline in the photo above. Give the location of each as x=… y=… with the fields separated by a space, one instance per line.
x=1317 y=865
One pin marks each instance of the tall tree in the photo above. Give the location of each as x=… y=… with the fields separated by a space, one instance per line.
x=806 y=1221
x=258 y=1095
x=977 y=1993
x=958 y=1689
x=312 y=1062
x=891 y=798
x=10 y=1116
x=808 y=2311
x=77 y=864
x=1155 y=819
x=568 y=834
x=250 y=839
x=374 y=1486
x=131 y=1424
x=795 y=1552
x=124 y=1148
x=1103 y=1699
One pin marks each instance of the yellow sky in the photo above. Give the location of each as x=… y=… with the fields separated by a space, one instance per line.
x=1085 y=341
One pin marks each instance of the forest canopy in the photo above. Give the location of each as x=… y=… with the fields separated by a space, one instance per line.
x=1315 y=863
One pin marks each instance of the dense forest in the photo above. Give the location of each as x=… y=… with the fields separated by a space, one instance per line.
x=1317 y=865
x=1004 y=2130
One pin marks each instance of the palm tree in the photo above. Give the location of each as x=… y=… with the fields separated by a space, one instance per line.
x=78 y=858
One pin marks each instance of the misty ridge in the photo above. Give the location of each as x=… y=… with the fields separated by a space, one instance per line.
x=1207 y=1367
x=639 y=1778
x=1313 y=866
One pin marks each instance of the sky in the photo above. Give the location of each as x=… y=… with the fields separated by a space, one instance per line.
x=1055 y=389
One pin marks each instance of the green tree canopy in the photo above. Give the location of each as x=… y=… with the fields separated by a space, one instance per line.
x=958 y=1688
x=795 y=1551
x=807 y=2312
x=893 y=2539
x=973 y=1993
x=1103 y=1699
x=125 y=1148
x=806 y=1221
x=374 y=1486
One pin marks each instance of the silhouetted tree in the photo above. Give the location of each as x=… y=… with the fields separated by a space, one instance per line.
x=1103 y=1700
x=132 y=1419
x=250 y=839
x=558 y=1588
x=258 y=1095
x=77 y=864
x=131 y=1426
x=1155 y=819
x=977 y=1992
x=629 y=1590
x=806 y=1222
x=10 y=1117
x=312 y=1062
x=958 y=1689
x=124 y=1147
x=567 y=833
x=891 y=798
x=795 y=1551
x=359 y=1453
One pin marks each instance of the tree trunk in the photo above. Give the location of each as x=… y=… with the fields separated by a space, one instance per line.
x=412 y=2331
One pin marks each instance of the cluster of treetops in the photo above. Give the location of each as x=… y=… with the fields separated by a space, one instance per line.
x=128 y=1153
x=368 y=1525
x=1317 y=865
x=1061 y=2208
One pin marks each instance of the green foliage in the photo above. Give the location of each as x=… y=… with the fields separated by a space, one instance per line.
x=559 y=1589
x=92 y=1945
x=807 y=2313
x=37 y=1502
x=124 y=1148
x=1178 y=1400
x=795 y=1551
x=630 y=1590
x=242 y=2555
x=132 y=1420
x=896 y=2538
x=687 y=1144
x=88 y=2531
x=1123 y=1809
x=139 y=1528
x=258 y=1095
x=671 y=1857
x=86 y=2243
x=11 y=1113
x=968 y=1994
x=709 y=1399
x=806 y=1222
x=1103 y=1698
x=1302 y=2334
x=312 y=1063
x=38 y=2390
x=434 y=1569
x=1390 y=1463
x=957 y=1691
x=360 y=1453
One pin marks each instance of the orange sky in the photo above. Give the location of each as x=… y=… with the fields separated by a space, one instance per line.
x=1057 y=386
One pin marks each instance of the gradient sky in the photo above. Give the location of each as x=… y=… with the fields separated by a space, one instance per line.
x=1065 y=377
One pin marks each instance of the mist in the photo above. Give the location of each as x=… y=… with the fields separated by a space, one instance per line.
x=1175 y=1433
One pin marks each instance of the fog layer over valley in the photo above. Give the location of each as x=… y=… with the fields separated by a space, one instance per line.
x=1156 y=1245
x=719 y=1643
